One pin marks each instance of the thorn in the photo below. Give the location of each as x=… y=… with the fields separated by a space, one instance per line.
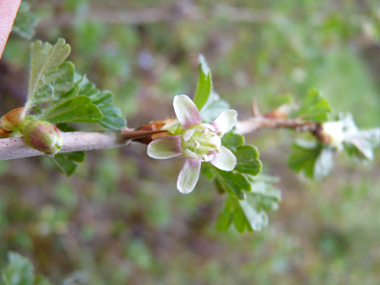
x=128 y=134
x=255 y=109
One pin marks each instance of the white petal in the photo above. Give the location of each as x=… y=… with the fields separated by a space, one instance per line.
x=224 y=160
x=166 y=147
x=225 y=121
x=215 y=140
x=188 y=177
x=188 y=134
x=191 y=154
x=186 y=111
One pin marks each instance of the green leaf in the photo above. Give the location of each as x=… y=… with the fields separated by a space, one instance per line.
x=50 y=76
x=232 y=141
x=64 y=127
x=18 y=271
x=232 y=182
x=250 y=213
x=247 y=160
x=255 y=219
x=77 y=109
x=213 y=108
x=204 y=86
x=112 y=116
x=67 y=162
x=314 y=159
x=314 y=107
x=206 y=169
x=25 y=21
x=263 y=194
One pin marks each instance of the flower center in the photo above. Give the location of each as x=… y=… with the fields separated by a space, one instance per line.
x=201 y=142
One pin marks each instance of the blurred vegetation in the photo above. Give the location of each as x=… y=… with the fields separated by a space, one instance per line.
x=120 y=219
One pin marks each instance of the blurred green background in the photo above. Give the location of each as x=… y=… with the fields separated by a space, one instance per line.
x=120 y=219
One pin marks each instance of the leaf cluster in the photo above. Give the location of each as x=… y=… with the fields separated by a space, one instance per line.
x=20 y=271
x=60 y=96
x=25 y=21
x=315 y=159
x=247 y=198
x=314 y=107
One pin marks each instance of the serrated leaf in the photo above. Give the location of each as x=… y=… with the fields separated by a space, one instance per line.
x=66 y=163
x=77 y=109
x=204 y=86
x=232 y=141
x=18 y=271
x=248 y=160
x=25 y=21
x=50 y=75
x=256 y=219
x=250 y=213
x=314 y=159
x=314 y=107
x=233 y=183
x=112 y=116
x=263 y=194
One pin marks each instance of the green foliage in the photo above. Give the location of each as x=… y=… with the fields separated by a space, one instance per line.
x=250 y=214
x=247 y=160
x=19 y=271
x=232 y=141
x=232 y=182
x=52 y=81
x=314 y=107
x=112 y=117
x=76 y=109
x=25 y=21
x=69 y=101
x=50 y=75
x=204 y=86
x=247 y=197
x=313 y=158
x=67 y=163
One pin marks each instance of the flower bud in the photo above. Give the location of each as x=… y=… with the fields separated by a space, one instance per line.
x=12 y=119
x=43 y=136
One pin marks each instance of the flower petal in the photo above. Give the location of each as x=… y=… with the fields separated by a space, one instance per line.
x=225 y=121
x=224 y=160
x=215 y=140
x=165 y=147
x=188 y=134
x=188 y=177
x=190 y=154
x=186 y=111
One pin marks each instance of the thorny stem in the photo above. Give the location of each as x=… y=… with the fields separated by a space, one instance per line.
x=12 y=148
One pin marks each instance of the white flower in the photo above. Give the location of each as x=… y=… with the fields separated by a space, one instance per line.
x=199 y=142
